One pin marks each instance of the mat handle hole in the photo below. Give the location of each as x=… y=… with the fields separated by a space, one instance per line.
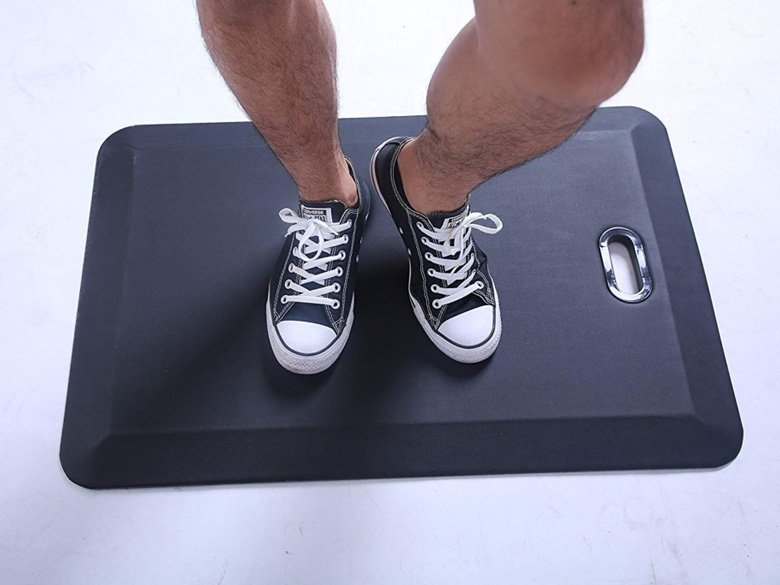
x=623 y=260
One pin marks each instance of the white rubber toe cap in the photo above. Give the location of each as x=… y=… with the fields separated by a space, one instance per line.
x=471 y=328
x=303 y=337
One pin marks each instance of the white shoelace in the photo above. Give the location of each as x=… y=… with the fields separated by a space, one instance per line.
x=315 y=238
x=457 y=260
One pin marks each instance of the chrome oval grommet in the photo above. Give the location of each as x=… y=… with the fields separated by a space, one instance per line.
x=633 y=242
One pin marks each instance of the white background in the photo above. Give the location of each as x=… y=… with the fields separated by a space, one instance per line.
x=73 y=72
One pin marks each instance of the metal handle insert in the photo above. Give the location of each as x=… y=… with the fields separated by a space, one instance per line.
x=634 y=243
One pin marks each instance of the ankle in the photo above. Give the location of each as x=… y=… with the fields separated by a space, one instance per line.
x=425 y=193
x=337 y=185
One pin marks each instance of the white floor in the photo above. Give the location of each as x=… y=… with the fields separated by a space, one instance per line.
x=73 y=72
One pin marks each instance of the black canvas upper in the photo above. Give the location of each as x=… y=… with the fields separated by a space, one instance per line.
x=335 y=318
x=388 y=180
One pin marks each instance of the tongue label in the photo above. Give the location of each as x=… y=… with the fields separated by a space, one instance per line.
x=455 y=221
x=321 y=213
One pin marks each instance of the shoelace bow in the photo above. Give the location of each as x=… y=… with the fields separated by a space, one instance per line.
x=457 y=260
x=315 y=238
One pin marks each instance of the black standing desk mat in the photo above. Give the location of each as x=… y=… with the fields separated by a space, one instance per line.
x=173 y=380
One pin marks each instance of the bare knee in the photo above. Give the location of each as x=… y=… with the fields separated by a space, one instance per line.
x=598 y=68
x=579 y=55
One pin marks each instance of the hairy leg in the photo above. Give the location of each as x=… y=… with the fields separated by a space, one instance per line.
x=518 y=80
x=279 y=59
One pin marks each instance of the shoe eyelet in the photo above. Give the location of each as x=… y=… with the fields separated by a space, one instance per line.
x=283 y=300
x=425 y=240
x=480 y=285
x=431 y=271
x=336 y=287
x=346 y=239
x=339 y=271
x=434 y=288
x=436 y=304
x=290 y=267
x=428 y=256
x=287 y=283
x=342 y=255
x=336 y=304
x=349 y=223
x=419 y=225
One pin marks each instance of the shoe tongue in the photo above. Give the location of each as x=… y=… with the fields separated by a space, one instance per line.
x=449 y=219
x=327 y=211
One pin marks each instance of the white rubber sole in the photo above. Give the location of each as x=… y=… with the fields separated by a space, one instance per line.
x=466 y=355
x=307 y=364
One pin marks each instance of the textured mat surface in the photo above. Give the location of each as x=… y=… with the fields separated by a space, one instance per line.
x=173 y=381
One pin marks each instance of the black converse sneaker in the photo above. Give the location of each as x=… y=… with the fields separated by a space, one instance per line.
x=450 y=288
x=310 y=304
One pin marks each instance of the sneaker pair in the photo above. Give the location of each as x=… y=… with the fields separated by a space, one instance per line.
x=310 y=306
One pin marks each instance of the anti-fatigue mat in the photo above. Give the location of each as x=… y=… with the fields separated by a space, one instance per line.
x=173 y=380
